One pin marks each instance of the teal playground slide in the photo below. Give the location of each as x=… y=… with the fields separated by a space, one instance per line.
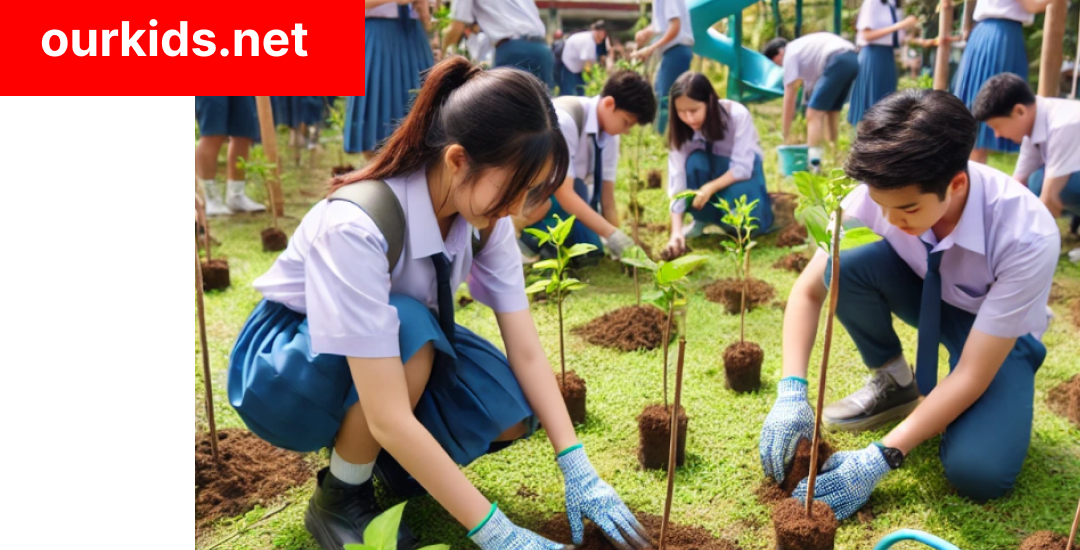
x=753 y=76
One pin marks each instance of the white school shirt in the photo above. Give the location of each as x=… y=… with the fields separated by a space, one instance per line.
x=1002 y=9
x=501 y=19
x=480 y=48
x=741 y=144
x=876 y=15
x=1054 y=141
x=998 y=262
x=387 y=11
x=805 y=57
x=580 y=145
x=579 y=48
x=335 y=271
x=666 y=10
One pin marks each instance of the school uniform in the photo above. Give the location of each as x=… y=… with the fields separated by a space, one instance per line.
x=827 y=66
x=329 y=296
x=995 y=46
x=227 y=116
x=877 y=58
x=1053 y=149
x=480 y=48
x=992 y=273
x=676 y=55
x=592 y=151
x=293 y=111
x=579 y=49
x=396 y=52
x=516 y=30
x=697 y=162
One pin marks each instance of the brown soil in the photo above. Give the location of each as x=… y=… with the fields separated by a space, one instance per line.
x=464 y=301
x=770 y=493
x=525 y=492
x=783 y=205
x=1065 y=399
x=631 y=207
x=573 y=392
x=626 y=329
x=796 y=531
x=795 y=261
x=794 y=235
x=215 y=275
x=780 y=304
x=679 y=537
x=657 y=227
x=653 y=179
x=1076 y=313
x=742 y=365
x=341 y=170
x=274 y=240
x=1045 y=540
x=654 y=437
x=250 y=472
x=800 y=467
x=729 y=293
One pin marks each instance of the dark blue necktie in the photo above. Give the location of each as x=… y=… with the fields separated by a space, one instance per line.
x=445 y=295
x=403 y=17
x=895 y=35
x=926 y=358
x=598 y=173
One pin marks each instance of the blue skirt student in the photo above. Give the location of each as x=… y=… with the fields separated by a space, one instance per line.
x=528 y=54
x=227 y=116
x=877 y=58
x=294 y=111
x=396 y=53
x=702 y=166
x=675 y=61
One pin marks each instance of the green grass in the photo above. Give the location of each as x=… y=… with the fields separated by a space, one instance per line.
x=716 y=487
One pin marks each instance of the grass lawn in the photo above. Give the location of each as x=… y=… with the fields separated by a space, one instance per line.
x=716 y=487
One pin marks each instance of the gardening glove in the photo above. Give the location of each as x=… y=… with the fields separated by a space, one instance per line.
x=498 y=533
x=618 y=242
x=587 y=495
x=790 y=420
x=847 y=479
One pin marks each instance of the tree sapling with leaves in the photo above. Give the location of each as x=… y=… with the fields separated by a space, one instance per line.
x=258 y=168
x=214 y=273
x=558 y=285
x=382 y=532
x=742 y=360
x=336 y=124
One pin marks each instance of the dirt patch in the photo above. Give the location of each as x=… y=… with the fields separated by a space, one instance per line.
x=1076 y=313
x=653 y=179
x=729 y=293
x=626 y=329
x=215 y=275
x=783 y=206
x=742 y=366
x=657 y=227
x=770 y=493
x=797 y=531
x=796 y=261
x=1065 y=399
x=274 y=240
x=525 y=492
x=250 y=472
x=679 y=537
x=464 y=300
x=573 y=392
x=1045 y=540
x=794 y=235
x=654 y=437
x=800 y=467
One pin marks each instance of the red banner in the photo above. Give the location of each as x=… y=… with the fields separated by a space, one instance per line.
x=198 y=48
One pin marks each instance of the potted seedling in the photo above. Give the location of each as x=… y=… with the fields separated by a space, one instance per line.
x=557 y=286
x=1048 y=540
x=654 y=423
x=213 y=274
x=382 y=532
x=742 y=360
x=741 y=293
x=258 y=169
x=813 y=526
x=336 y=122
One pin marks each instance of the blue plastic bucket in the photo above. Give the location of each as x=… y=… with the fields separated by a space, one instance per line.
x=793 y=158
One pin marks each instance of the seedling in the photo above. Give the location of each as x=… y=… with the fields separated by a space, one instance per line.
x=742 y=360
x=382 y=532
x=259 y=169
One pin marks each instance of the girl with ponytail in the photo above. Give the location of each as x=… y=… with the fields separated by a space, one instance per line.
x=354 y=344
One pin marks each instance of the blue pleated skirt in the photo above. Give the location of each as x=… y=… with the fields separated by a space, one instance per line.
x=292 y=111
x=396 y=52
x=702 y=167
x=995 y=46
x=877 y=79
x=296 y=399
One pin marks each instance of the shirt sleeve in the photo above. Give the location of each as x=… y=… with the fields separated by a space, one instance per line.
x=746 y=137
x=1064 y=155
x=1029 y=161
x=865 y=19
x=462 y=10
x=347 y=290
x=791 y=66
x=676 y=169
x=496 y=278
x=570 y=133
x=671 y=10
x=1016 y=303
x=611 y=159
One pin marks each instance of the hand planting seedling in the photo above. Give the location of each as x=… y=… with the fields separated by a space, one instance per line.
x=558 y=285
x=382 y=532
x=742 y=360
x=258 y=168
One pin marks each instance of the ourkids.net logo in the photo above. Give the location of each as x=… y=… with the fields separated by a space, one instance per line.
x=127 y=42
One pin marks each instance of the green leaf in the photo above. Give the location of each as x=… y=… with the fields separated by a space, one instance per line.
x=360 y=547
x=552 y=285
x=437 y=547
x=677 y=269
x=382 y=532
x=543 y=236
x=685 y=195
x=635 y=256
x=550 y=263
x=857 y=237
x=537 y=286
x=572 y=284
x=579 y=249
x=561 y=229
x=652 y=295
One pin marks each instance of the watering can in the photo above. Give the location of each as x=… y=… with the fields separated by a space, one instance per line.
x=918 y=536
x=793 y=158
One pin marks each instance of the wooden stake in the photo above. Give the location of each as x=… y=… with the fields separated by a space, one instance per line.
x=1075 y=525
x=941 y=67
x=673 y=449
x=269 y=143
x=667 y=338
x=1052 y=46
x=834 y=295
x=205 y=351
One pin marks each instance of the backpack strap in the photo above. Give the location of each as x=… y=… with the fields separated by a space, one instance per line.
x=379 y=202
x=572 y=105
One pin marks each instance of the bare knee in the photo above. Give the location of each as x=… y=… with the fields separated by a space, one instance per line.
x=517 y=431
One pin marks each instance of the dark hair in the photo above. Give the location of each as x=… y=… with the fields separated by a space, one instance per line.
x=632 y=93
x=501 y=117
x=599 y=25
x=913 y=137
x=696 y=86
x=999 y=95
x=773 y=47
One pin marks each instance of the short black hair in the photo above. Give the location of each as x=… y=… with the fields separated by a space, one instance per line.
x=913 y=137
x=999 y=95
x=773 y=47
x=632 y=93
x=598 y=26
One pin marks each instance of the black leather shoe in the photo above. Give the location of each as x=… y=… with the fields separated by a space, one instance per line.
x=338 y=513
x=395 y=478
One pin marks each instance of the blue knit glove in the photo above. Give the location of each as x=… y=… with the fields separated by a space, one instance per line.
x=847 y=479
x=498 y=533
x=790 y=420
x=587 y=495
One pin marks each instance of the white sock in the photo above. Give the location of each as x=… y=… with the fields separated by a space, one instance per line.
x=899 y=370
x=814 y=155
x=352 y=474
x=235 y=187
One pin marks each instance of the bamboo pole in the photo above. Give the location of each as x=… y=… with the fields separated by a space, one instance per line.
x=269 y=143
x=673 y=449
x=1052 y=48
x=1075 y=525
x=205 y=353
x=941 y=66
